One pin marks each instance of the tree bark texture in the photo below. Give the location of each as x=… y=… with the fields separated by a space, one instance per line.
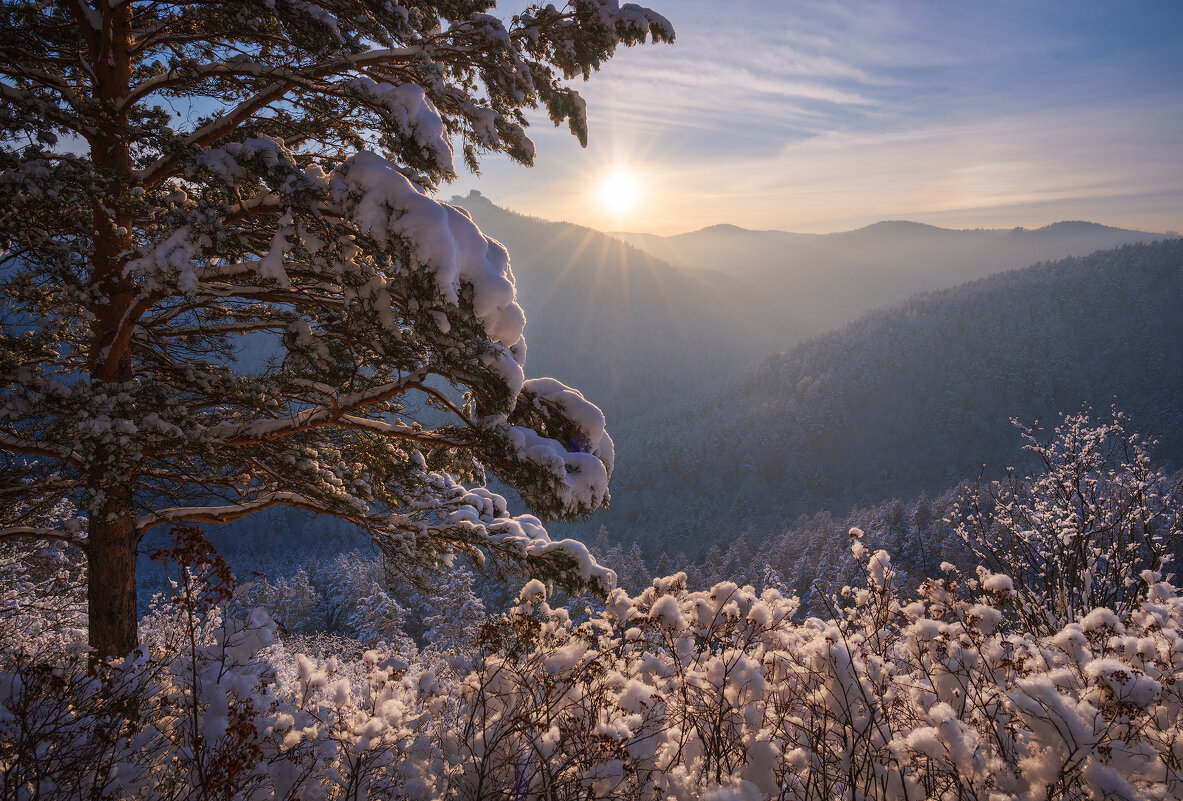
x=112 y=536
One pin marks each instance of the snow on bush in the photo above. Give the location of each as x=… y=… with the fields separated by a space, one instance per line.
x=723 y=693
x=1076 y=527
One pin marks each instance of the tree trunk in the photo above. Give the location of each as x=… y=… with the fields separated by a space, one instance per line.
x=111 y=586
x=112 y=535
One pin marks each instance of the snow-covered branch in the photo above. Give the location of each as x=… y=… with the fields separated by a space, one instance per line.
x=338 y=406
x=88 y=17
x=281 y=75
x=287 y=81
x=228 y=513
x=166 y=166
x=216 y=329
x=112 y=353
x=28 y=447
x=34 y=534
x=401 y=431
x=44 y=107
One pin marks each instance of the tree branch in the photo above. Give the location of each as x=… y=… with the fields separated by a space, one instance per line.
x=232 y=512
x=215 y=129
x=213 y=329
x=11 y=442
x=15 y=533
x=164 y=167
x=266 y=430
x=21 y=97
x=400 y=431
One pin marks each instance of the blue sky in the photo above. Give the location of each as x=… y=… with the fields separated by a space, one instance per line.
x=823 y=116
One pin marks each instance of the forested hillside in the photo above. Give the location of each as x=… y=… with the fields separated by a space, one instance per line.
x=634 y=330
x=911 y=398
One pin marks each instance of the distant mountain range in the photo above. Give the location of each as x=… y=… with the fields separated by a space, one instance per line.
x=822 y=281
x=636 y=321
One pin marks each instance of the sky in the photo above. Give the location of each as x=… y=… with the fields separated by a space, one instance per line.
x=827 y=115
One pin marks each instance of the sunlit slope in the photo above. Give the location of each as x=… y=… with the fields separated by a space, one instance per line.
x=627 y=329
x=823 y=281
x=910 y=398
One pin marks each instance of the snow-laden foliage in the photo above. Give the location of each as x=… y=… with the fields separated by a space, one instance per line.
x=186 y=186
x=41 y=599
x=1128 y=506
x=724 y=693
x=452 y=614
x=1077 y=532
x=361 y=599
x=347 y=596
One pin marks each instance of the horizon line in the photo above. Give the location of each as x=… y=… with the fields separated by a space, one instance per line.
x=885 y=221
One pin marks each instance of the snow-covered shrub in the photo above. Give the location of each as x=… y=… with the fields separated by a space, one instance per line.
x=716 y=694
x=207 y=707
x=1076 y=532
x=354 y=601
x=348 y=596
x=722 y=694
x=42 y=601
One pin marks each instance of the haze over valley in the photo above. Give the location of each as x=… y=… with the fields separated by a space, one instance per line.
x=784 y=394
x=750 y=377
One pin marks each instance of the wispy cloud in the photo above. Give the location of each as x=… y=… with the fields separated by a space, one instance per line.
x=817 y=114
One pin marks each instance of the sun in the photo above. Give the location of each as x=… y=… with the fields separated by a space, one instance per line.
x=619 y=192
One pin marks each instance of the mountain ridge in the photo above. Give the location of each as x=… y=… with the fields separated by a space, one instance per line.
x=825 y=280
x=617 y=323
x=880 y=225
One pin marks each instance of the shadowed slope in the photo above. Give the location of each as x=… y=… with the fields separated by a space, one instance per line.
x=632 y=330
x=912 y=398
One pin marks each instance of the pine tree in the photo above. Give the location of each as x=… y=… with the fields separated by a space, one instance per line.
x=451 y=628
x=633 y=572
x=227 y=286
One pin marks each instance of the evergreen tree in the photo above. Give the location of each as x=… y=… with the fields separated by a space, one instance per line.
x=632 y=571
x=667 y=565
x=227 y=286
x=458 y=614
